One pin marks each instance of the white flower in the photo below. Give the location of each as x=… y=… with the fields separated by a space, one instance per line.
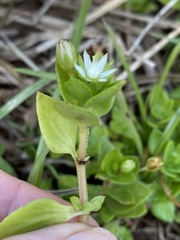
x=95 y=70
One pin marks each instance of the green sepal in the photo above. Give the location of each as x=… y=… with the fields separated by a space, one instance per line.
x=102 y=103
x=59 y=133
x=38 y=214
x=62 y=78
x=78 y=90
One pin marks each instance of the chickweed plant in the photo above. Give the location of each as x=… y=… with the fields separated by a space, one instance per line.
x=88 y=89
x=135 y=158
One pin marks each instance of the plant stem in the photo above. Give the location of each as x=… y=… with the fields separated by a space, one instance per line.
x=81 y=168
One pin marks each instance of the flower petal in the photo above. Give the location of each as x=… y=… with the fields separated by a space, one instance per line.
x=80 y=70
x=107 y=73
x=87 y=60
x=96 y=58
x=102 y=79
x=102 y=62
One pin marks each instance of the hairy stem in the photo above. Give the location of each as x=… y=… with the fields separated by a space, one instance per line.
x=81 y=168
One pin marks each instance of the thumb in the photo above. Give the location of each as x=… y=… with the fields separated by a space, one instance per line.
x=66 y=231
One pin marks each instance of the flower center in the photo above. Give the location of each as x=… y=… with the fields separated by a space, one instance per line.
x=93 y=72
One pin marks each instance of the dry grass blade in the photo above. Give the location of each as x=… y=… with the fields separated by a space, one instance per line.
x=162 y=23
x=44 y=9
x=150 y=25
x=104 y=9
x=19 y=53
x=10 y=75
x=151 y=52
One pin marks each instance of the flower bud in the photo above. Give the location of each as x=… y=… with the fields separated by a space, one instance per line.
x=154 y=164
x=128 y=166
x=66 y=55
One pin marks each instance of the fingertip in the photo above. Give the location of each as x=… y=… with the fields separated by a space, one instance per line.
x=93 y=233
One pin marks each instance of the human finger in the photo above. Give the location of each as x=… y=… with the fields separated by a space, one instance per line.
x=66 y=231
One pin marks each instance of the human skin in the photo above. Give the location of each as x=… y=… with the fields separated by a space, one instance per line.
x=15 y=193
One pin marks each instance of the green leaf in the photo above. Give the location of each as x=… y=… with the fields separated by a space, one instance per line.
x=125 y=64
x=130 y=194
x=175 y=93
x=123 y=211
x=176 y=6
x=95 y=137
x=80 y=22
x=78 y=90
x=37 y=169
x=38 y=74
x=111 y=168
x=35 y=215
x=75 y=113
x=170 y=128
x=67 y=181
x=143 y=6
x=105 y=215
x=135 y=212
x=76 y=203
x=5 y=166
x=59 y=133
x=119 y=124
x=161 y=106
x=102 y=103
x=121 y=232
x=125 y=204
x=169 y=63
x=94 y=205
x=121 y=195
x=164 y=210
x=105 y=146
x=154 y=140
x=171 y=161
x=177 y=217
x=125 y=123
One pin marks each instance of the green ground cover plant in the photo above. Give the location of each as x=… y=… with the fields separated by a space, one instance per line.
x=135 y=158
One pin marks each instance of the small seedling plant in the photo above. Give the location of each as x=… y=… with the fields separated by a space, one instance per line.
x=88 y=88
x=135 y=156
